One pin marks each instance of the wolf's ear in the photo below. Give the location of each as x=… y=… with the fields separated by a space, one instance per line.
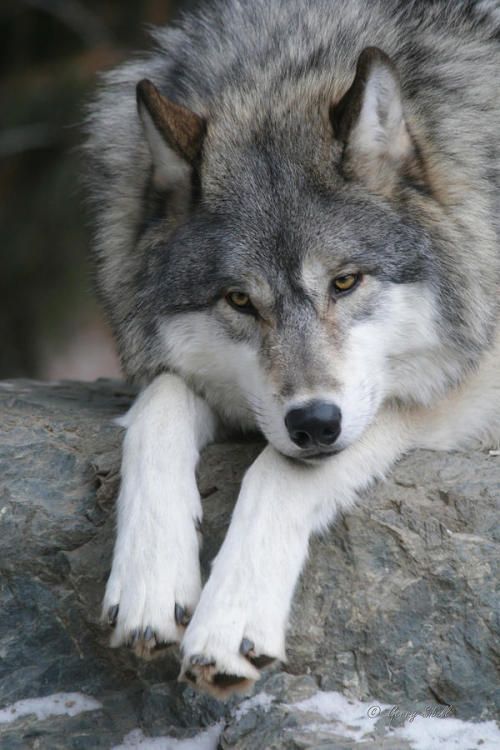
x=174 y=134
x=369 y=120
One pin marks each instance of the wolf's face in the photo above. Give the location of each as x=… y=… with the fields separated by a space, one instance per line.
x=293 y=291
x=300 y=325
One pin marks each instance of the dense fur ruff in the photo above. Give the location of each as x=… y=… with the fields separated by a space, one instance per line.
x=297 y=230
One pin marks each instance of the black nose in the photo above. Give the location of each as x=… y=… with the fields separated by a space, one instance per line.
x=316 y=424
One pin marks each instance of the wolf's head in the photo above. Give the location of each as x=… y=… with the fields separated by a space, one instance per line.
x=292 y=279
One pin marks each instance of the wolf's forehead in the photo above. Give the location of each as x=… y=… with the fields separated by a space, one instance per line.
x=301 y=233
x=290 y=218
x=268 y=165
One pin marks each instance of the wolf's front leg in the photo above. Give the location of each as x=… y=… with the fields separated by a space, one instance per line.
x=240 y=621
x=155 y=578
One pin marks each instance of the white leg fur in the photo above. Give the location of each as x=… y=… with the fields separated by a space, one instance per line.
x=248 y=596
x=469 y=416
x=156 y=563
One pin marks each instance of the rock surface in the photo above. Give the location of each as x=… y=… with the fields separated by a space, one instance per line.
x=399 y=604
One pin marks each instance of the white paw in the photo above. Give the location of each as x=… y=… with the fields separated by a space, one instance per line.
x=153 y=589
x=155 y=579
x=234 y=632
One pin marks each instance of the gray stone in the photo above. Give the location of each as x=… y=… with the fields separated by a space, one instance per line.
x=279 y=725
x=399 y=601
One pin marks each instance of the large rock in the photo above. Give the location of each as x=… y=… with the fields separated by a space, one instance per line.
x=399 y=602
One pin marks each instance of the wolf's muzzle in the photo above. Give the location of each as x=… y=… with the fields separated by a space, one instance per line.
x=315 y=425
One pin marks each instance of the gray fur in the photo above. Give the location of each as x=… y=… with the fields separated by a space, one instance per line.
x=274 y=188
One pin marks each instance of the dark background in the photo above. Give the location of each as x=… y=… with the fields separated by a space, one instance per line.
x=51 y=52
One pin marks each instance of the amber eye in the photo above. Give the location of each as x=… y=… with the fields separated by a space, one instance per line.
x=240 y=301
x=346 y=283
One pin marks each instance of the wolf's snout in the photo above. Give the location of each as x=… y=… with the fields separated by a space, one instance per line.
x=314 y=425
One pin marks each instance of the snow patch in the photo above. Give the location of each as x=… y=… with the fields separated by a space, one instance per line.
x=348 y=717
x=356 y=719
x=136 y=740
x=450 y=734
x=57 y=704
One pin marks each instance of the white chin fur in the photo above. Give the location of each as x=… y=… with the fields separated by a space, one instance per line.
x=378 y=361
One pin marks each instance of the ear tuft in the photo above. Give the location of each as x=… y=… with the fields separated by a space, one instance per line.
x=175 y=134
x=369 y=120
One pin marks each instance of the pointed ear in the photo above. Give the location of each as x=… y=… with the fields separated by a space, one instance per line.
x=369 y=120
x=174 y=134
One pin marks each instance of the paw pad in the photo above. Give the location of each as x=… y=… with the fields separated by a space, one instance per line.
x=205 y=673
x=247 y=649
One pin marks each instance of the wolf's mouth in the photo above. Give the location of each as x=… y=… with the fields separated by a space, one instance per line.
x=318 y=457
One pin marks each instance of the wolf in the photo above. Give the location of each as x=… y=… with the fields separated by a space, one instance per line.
x=297 y=232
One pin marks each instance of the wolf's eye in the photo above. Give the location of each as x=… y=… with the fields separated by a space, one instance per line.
x=241 y=302
x=346 y=283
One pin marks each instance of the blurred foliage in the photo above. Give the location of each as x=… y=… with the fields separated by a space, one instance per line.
x=50 y=53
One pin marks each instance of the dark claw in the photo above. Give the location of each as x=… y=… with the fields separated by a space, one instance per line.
x=190 y=676
x=181 y=616
x=162 y=645
x=112 y=615
x=246 y=646
x=227 y=680
x=198 y=660
x=148 y=633
x=261 y=661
